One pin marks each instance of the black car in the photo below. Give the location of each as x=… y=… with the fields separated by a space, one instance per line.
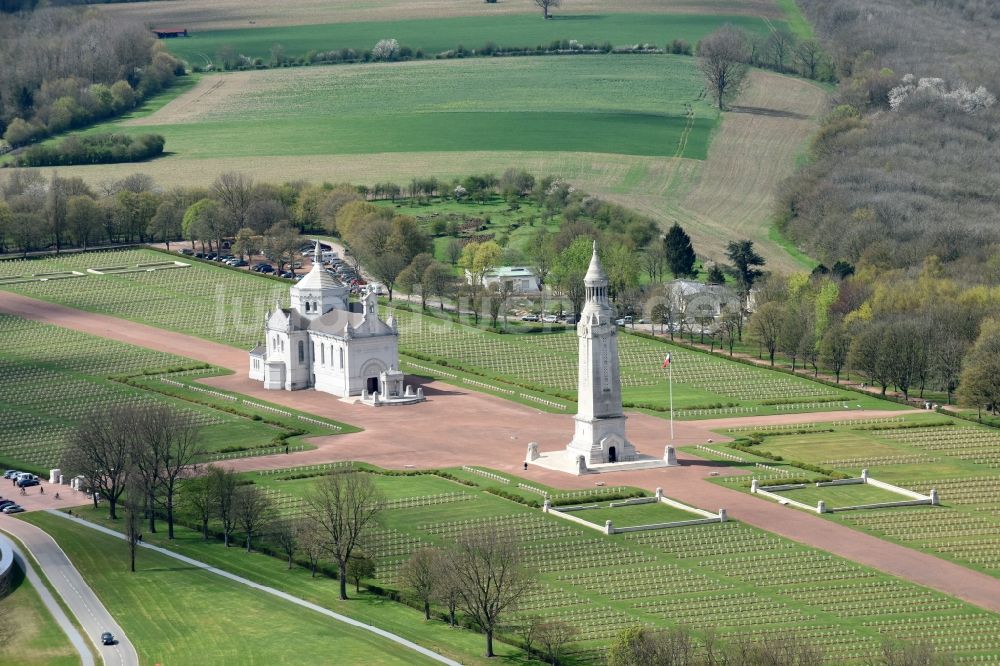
x=6 y=503
x=107 y=638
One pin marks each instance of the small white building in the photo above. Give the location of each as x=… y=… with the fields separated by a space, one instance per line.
x=320 y=342
x=521 y=279
x=697 y=300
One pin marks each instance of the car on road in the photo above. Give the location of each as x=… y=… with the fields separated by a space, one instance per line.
x=27 y=483
x=13 y=508
x=11 y=473
x=529 y=317
x=550 y=319
x=6 y=503
x=624 y=321
x=108 y=638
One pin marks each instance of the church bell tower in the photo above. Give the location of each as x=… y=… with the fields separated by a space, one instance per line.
x=600 y=422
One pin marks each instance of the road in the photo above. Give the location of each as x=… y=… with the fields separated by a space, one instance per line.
x=268 y=590
x=81 y=600
x=74 y=636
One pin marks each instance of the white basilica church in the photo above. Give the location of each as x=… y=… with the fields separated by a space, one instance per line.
x=321 y=342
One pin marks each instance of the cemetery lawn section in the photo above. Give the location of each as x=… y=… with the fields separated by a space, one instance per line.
x=838 y=496
x=636 y=514
x=736 y=578
x=436 y=35
x=52 y=378
x=175 y=613
x=917 y=451
x=228 y=306
x=29 y=634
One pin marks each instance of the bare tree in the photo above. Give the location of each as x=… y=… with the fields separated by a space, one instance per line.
x=252 y=510
x=546 y=5
x=447 y=585
x=224 y=481
x=491 y=578
x=285 y=535
x=234 y=191
x=721 y=58
x=179 y=439
x=419 y=574
x=780 y=43
x=312 y=543
x=553 y=637
x=200 y=496
x=101 y=450
x=766 y=326
x=134 y=502
x=809 y=55
x=343 y=506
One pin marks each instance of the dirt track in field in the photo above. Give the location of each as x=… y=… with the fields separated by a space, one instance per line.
x=456 y=427
x=232 y=14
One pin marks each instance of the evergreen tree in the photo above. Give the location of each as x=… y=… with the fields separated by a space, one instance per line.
x=680 y=252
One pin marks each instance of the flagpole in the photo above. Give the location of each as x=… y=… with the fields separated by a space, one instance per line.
x=670 y=382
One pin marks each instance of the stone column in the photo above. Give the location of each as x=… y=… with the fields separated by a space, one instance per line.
x=934 y=497
x=608 y=527
x=547 y=505
x=581 y=465
x=54 y=475
x=659 y=494
x=532 y=452
x=723 y=516
x=864 y=475
x=670 y=456
x=753 y=486
x=821 y=507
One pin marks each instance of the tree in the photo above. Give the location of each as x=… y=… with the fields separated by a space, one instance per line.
x=679 y=251
x=83 y=219
x=568 y=270
x=413 y=277
x=285 y=536
x=447 y=584
x=809 y=55
x=546 y=5
x=312 y=544
x=491 y=578
x=234 y=192
x=245 y=243
x=790 y=334
x=343 y=506
x=358 y=567
x=281 y=244
x=134 y=505
x=166 y=222
x=729 y=326
x=101 y=450
x=252 y=510
x=553 y=636
x=419 y=574
x=780 y=44
x=980 y=380
x=721 y=59
x=766 y=326
x=834 y=347
x=224 y=481
x=870 y=355
x=478 y=259
x=199 y=221
x=199 y=497
x=745 y=262
x=715 y=275
x=641 y=646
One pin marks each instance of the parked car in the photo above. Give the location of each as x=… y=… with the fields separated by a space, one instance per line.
x=11 y=473
x=263 y=268
x=624 y=321
x=6 y=503
x=22 y=476
x=186 y=251
x=27 y=483
x=288 y=274
x=107 y=638
x=550 y=319
x=238 y=263
x=13 y=508
x=529 y=317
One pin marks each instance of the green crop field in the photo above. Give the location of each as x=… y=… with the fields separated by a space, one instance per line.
x=631 y=105
x=178 y=614
x=918 y=452
x=51 y=378
x=730 y=576
x=29 y=634
x=228 y=306
x=436 y=35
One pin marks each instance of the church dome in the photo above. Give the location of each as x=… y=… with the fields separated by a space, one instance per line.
x=595 y=277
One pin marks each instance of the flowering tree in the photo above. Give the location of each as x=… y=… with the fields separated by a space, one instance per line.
x=386 y=49
x=968 y=100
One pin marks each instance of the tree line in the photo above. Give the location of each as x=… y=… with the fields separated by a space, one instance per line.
x=93 y=149
x=65 y=67
x=903 y=166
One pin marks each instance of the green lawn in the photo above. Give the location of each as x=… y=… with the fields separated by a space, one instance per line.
x=178 y=614
x=29 y=634
x=840 y=496
x=725 y=575
x=632 y=105
x=441 y=34
x=638 y=514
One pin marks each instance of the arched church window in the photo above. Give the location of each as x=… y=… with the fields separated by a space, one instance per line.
x=322 y=353
x=341 y=357
x=302 y=352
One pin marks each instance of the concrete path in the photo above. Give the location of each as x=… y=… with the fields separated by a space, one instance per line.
x=268 y=590
x=83 y=603
x=67 y=626
x=456 y=426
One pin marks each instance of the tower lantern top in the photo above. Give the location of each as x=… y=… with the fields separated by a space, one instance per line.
x=595 y=277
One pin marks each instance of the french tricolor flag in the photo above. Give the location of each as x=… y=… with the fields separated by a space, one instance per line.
x=666 y=360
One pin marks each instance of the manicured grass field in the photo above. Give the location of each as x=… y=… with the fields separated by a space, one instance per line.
x=922 y=452
x=632 y=105
x=730 y=576
x=636 y=514
x=840 y=496
x=441 y=34
x=52 y=378
x=28 y=633
x=177 y=614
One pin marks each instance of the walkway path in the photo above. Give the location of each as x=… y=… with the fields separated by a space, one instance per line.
x=81 y=600
x=460 y=427
x=268 y=590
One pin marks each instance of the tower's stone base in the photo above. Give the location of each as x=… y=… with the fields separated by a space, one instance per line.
x=563 y=461
x=601 y=441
